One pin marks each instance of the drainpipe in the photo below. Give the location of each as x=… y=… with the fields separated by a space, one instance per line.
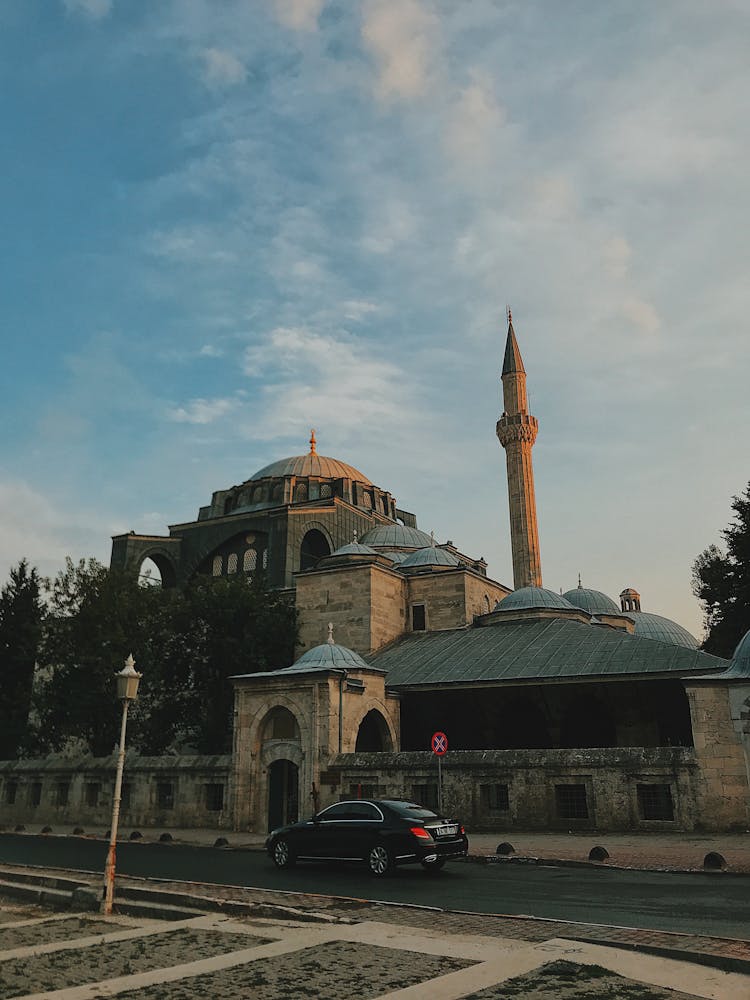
x=342 y=678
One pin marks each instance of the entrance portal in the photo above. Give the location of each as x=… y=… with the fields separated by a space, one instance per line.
x=283 y=794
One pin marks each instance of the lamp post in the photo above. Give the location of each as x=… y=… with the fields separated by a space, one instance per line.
x=127 y=690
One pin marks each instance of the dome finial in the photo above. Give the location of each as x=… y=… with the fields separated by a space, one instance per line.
x=313 y=444
x=580 y=585
x=432 y=539
x=510 y=315
x=330 y=634
x=355 y=538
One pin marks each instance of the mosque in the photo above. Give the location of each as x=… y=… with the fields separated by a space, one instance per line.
x=561 y=710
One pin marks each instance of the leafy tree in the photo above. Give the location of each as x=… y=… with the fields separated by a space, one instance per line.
x=187 y=643
x=721 y=582
x=21 y=615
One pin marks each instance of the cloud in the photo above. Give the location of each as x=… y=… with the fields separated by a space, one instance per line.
x=328 y=378
x=222 y=69
x=401 y=37
x=299 y=15
x=201 y=411
x=474 y=122
x=641 y=314
x=95 y=9
x=616 y=254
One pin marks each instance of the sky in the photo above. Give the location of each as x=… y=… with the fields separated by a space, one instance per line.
x=228 y=221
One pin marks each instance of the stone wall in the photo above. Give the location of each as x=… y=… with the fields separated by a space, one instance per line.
x=617 y=789
x=720 y=754
x=64 y=792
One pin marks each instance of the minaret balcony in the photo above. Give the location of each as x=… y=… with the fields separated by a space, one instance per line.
x=521 y=427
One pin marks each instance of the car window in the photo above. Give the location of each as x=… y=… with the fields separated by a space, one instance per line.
x=339 y=811
x=363 y=810
x=410 y=810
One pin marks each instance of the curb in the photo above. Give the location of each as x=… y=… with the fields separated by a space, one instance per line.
x=519 y=859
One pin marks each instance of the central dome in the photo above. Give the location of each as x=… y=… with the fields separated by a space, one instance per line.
x=312 y=464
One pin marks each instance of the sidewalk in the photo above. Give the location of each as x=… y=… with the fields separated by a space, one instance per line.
x=649 y=851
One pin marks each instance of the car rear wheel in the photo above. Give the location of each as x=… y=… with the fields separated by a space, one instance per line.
x=379 y=860
x=433 y=866
x=282 y=854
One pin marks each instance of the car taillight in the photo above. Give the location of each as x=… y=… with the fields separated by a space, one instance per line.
x=461 y=830
x=419 y=831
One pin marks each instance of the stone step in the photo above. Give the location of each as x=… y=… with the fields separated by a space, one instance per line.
x=152 y=910
x=30 y=892
x=42 y=879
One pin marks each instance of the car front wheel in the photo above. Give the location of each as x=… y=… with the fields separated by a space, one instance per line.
x=282 y=854
x=379 y=860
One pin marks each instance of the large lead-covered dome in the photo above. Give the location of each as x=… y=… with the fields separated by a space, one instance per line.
x=649 y=626
x=311 y=465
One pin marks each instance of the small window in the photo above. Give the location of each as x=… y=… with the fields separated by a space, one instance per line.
x=418 y=618
x=93 y=791
x=425 y=795
x=300 y=492
x=125 y=796
x=165 y=795
x=249 y=560
x=325 y=491
x=11 y=790
x=494 y=798
x=218 y=566
x=35 y=793
x=232 y=562
x=655 y=802
x=277 y=492
x=486 y=604
x=214 y=797
x=61 y=792
x=571 y=802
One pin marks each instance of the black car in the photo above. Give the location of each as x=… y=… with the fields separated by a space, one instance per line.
x=381 y=832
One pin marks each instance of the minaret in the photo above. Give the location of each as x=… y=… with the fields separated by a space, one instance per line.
x=516 y=431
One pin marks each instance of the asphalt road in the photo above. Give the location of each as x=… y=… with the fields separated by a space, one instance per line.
x=717 y=905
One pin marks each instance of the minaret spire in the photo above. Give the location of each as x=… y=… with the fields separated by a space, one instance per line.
x=516 y=431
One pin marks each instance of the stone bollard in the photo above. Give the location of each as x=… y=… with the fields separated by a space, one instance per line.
x=165 y=838
x=505 y=848
x=714 y=862
x=136 y=835
x=598 y=853
x=221 y=842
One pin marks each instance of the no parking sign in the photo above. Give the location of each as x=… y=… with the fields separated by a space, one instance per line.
x=439 y=744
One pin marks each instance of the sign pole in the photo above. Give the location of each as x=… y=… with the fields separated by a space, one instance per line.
x=439 y=746
x=440 y=785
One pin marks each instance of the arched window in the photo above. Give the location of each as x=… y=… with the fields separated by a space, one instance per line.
x=325 y=491
x=249 y=560
x=314 y=547
x=280 y=724
x=277 y=492
x=486 y=604
x=373 y=735
x=258 y=494
x=218 y=566
x=232 y=562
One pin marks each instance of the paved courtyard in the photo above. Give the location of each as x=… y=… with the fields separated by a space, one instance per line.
x=72 y=956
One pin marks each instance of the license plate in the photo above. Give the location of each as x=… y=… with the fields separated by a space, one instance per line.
x=446 y=831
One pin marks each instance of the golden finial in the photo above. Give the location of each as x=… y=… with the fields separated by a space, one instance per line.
x=313 y=446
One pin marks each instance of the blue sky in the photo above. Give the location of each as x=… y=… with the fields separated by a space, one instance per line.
x=228 y=221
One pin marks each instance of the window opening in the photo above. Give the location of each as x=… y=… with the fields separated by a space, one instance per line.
x=232 y=562
x=218 y=565
x=571 y=802
x=418 y=618
x=93 y=790
x=494 y=798
x=214 y=797
x=425 y=795
x=655 y=802
x=165 y=795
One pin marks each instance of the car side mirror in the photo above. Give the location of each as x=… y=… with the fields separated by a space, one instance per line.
x=316 y=818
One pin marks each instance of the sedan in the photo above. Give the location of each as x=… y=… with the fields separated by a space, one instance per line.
x=382 y=833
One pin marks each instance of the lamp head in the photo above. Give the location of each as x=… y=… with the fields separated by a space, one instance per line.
x=127 y=681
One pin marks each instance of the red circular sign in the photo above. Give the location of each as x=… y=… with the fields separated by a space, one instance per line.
x=439 y=744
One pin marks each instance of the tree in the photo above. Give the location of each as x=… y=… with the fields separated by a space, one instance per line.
x=187 y=643
x=21 y=615
x=721 y=582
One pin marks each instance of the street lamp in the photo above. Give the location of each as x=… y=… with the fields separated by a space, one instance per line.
x=127 y=690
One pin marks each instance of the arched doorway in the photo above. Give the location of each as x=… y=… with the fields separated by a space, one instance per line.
x=156 y=571
x=373 y=735
x=283 y=793
x=314 y=546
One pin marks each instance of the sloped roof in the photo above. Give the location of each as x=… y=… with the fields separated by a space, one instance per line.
x=545 y=649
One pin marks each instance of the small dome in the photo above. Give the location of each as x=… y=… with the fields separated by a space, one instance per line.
x=430 y=556
x=649 y=626
x=741 y=657
x=533 y=597
x=329 y=654
x=593 y=602
x=397 y=534
x=396 y=557
x=353 y=549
